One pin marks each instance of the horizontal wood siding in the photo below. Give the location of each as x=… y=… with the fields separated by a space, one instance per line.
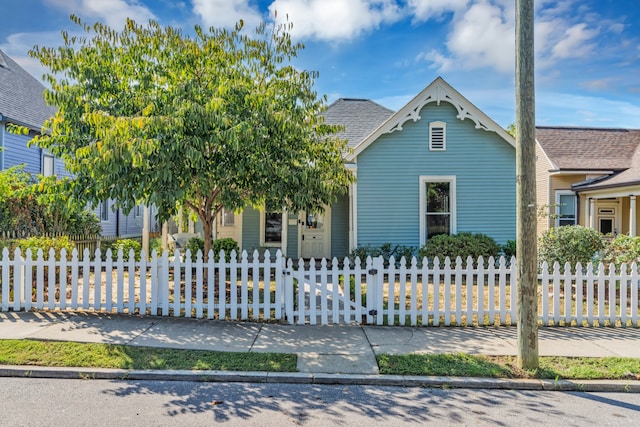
x=389 y=171
x=17 y=153
x=250 y=229
x=292 y=236
x=543 y=198
x=340 y=227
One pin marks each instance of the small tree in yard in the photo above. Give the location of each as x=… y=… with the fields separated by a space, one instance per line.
x=148 y=114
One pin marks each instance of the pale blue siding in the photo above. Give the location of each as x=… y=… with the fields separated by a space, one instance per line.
x=389 y=187
x=16 y=152
x=292 y=236
x=250 y=229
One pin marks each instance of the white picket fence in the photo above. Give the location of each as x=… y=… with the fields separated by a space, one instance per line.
x=430 y=293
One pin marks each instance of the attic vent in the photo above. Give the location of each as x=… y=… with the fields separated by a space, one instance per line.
x=437 y=136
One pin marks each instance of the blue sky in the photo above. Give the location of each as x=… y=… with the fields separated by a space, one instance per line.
x=587 y=51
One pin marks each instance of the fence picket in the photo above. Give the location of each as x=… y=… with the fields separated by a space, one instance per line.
x=480 y=291
x=406 y=294
x=233 y=278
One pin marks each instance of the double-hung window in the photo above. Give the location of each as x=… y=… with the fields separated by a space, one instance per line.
x=566 y=208
x=437 y=206
x=271 y=228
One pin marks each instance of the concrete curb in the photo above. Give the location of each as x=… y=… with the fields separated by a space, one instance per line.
x=619 y=386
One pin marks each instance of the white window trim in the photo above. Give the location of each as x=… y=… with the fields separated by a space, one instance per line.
x=451 y=179
x=557 y=208
x=283 y=237
x=50 y=157
x=442 y=125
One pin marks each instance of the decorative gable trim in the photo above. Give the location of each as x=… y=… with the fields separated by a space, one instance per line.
x=438 y=91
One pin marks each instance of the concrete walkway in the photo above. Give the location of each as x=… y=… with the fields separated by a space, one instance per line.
x=341 y=350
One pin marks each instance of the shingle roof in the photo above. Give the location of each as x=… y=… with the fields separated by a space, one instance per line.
x=359 y=117
x=21 y=98
x=588 y=148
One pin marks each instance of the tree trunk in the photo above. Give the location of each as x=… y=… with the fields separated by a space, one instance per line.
x=207 y=229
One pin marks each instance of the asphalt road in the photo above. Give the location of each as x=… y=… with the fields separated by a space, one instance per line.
x=51 y=402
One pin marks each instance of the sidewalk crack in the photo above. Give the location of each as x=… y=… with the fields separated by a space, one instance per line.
x=144 y=331
x=255 y=338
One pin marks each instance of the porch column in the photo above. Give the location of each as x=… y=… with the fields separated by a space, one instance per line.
x=632 y=215
x=592 y=213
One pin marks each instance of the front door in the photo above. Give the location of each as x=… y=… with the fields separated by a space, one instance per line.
x=315 y=234
x=607 y=220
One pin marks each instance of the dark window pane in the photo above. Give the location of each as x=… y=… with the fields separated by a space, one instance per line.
x=606 y=226
x=437 y=224
x=438 y=197
x=273 y=228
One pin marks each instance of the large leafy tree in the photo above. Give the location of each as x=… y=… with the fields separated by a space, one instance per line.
x=221 y=118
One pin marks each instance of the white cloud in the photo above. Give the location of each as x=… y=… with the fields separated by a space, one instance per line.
x=112 y=12
x=481 y=33
x=17 y=46
x=226 y=13
x=574 y=42
x=335 y=19
x=483 y=36
x=423 y=10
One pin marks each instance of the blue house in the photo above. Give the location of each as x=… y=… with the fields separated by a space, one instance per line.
x=438 y=165
x=22 y=104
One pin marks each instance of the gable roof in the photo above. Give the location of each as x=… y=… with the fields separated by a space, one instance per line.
x=359 y=117
x=578 y=148
x=438 y=91
x=21 y=100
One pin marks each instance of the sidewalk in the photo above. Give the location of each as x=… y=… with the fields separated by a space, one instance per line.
x=340 y=353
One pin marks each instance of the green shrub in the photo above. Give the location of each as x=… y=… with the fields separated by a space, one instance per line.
x=194 y=244
x=509 y=249
x=386 y=250
x=46 y=243
x=460 y=245
x=622 y=249
x=155 y=244
x=227 y=245
x=126 y=245
x=571 y=243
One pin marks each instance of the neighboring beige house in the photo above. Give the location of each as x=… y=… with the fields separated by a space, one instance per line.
x=588 y=176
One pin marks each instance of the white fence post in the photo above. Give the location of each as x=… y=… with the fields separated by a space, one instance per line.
x=328 y=294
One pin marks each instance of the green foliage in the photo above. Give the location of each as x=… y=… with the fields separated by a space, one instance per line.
x=46 y=244
x=195 y=244
x=460 y=245
x=572 y=244
x=126 y=245
x=227 y=245
x=509 y=249
x=386 y=250
x=221 y=118
x=622 y=249
x=36 y=207
x=155 y=244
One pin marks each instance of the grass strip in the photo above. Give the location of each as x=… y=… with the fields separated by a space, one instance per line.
x=73 y=354
x=465 y=365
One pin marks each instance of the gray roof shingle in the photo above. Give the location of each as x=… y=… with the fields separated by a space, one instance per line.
x=359 y=117
x=21 y=98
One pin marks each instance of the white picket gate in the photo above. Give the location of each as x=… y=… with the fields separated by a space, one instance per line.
x=404 y=292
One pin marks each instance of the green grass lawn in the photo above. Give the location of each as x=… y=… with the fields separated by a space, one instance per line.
x=465 y=365
x=72 y=354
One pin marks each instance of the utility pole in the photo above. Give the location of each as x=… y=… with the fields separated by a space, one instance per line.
x=526 y=236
